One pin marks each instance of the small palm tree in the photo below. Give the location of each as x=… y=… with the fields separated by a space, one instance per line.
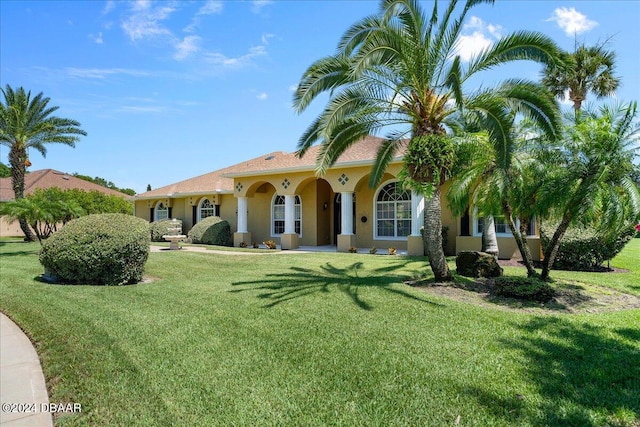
x=26 y=123
x=398 y=72
x=587 y=69
x=498 y=176
x=592 y=180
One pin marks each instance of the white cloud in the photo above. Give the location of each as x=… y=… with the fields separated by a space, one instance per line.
x=188 y=46
x=108 y=7
x=259 y=4
x=293 y=87
x=480 y=36
x=571 y=21
x=210 y=7
x=265 y=38
x=145 y=20
x=97 y=39
x=141 y=109
x=262 y=97
x=101 y=73
x=238 y=62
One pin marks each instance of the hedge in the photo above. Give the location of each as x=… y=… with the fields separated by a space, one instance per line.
x=582 y=248
x=100 y=249
x=212 y=230
x=158 y=229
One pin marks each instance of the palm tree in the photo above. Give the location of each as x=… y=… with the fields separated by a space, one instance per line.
x=587 y=69
x=398 y=72
x=592 y=182
x=495 y=175
x=26 y=123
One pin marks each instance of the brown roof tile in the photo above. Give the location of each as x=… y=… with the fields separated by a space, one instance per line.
x=47 y=178
x=222 y=180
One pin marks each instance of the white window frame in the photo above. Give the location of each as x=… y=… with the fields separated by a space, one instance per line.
x=477 y=233
x=395 y=219
x=213 y=208
x=157 y=209
x=297 y=215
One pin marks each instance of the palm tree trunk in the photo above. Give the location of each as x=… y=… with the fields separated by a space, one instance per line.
x=521 y=242
x=17 y=159
x=489 y=239
x=433 y=237
x=525 y=251
x=553 y=246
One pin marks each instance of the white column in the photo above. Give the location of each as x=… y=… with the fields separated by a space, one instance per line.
x=242 y=215
x=289 y=214
x=346 y=211
x=417 y=213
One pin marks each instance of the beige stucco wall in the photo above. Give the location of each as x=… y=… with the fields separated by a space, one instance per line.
x=506 y=245
x=10 y=228
x=317 y=221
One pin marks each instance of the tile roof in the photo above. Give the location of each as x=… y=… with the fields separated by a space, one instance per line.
x=47 y=178
x=221 y=181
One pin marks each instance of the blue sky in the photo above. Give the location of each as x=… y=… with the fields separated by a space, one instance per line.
x=170 y=90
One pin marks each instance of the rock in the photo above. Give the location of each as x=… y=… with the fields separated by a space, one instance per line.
x=477 y=264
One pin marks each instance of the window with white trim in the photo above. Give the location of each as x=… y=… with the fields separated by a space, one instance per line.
x=277 y=215
x=161 y=211
x=392 y=212
x=501 y=225
x=206 y=209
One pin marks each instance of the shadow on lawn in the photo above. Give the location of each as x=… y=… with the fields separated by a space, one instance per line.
x=587 y=376
x=300 y=282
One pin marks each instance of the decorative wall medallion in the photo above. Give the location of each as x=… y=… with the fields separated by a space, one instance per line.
x=343 y=179
x=239 y=187
x=286 y=183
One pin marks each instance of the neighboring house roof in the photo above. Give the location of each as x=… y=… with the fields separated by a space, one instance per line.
x=48 y=178
x=221 y=181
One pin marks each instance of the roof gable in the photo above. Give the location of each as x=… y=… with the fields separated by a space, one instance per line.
x=48 y=178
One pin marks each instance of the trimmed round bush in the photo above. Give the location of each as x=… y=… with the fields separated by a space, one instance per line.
x=159 y=229
x=212 y=230
x=100 y=249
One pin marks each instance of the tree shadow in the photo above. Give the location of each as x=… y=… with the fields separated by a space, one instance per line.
x=299 y=282
x=587 y=376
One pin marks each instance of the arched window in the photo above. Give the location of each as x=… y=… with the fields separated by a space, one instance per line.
x=393 y=212
x=161 y=211
x=206 y=209
x=277 y=215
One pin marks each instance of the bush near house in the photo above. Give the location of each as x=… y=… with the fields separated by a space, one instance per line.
x=212 y=230
x=100 y=249
x=583 y=248
x=159 y=229
x=527 y=288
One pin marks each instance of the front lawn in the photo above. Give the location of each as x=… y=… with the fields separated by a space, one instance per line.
x=318 y=339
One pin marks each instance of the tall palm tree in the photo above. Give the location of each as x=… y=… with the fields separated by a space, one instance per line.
x=587 y=69
x=26 y=123
x=398 y=72
x=593 y=180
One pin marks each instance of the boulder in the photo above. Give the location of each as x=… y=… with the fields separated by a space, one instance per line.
x=477 y=264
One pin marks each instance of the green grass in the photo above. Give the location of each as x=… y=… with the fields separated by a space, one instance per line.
x=318 y=339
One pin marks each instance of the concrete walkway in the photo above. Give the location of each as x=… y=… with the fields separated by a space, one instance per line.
x=23 y=392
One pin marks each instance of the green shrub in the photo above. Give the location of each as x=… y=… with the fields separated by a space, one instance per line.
x=527 y=288
x=212 y=230
x=159 y=229
x=582 y=248
x=100 y=249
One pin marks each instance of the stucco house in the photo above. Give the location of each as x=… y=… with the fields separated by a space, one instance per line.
x=279 y=197
x=43 y=179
